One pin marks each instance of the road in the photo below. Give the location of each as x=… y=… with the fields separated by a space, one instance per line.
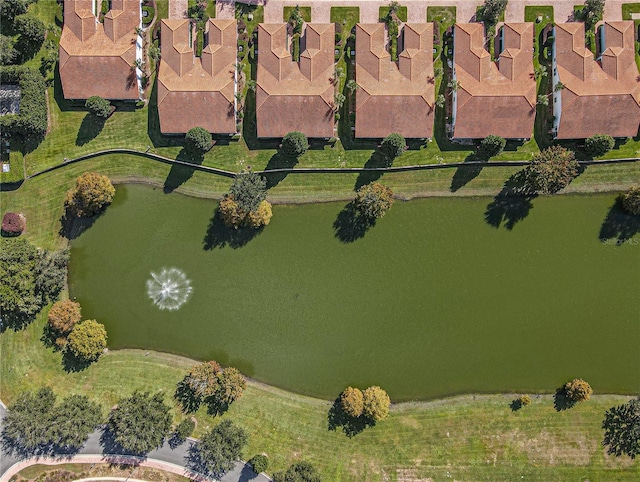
x=96 y=450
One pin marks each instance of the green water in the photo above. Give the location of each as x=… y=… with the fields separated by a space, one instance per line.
x=432 y=301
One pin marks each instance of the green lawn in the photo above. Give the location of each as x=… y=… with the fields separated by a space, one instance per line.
x=401 y=13
x=304 y=11
x=627 y=10
x=466 y=438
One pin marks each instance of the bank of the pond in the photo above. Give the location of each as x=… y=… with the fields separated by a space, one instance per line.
x=432 y=301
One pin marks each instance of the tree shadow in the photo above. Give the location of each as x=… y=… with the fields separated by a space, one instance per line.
x=215 y=408
x=90 y=128
x=247 y=473
x=218 y=235
x=11 y=446
x=467 y=173
x=186 y=397
x=515 y=405
x=619 y=226
x=511 y=205
x=73 y=364
x=350 y=225
x=49 y=337
x=179 y=174
x=561 y=401
x=72 y=226
x=377 y=161
x=351 y=426
x=194 y=462
x=175 y=441
x=278 y=161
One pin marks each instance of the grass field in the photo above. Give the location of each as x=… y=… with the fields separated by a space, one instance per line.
x=466 y=438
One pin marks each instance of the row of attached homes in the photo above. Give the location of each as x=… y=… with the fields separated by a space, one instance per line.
x=598 y=96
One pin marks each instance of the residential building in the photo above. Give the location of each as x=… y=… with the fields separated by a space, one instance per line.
x=595 y=96
x=394 y=96
x=99 y=58
x=197 y=91
x=498 y=97
x=295 y=95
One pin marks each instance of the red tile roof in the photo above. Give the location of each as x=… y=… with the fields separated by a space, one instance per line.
x=394 y=97
x=197 y=91
x=494 y=97
x=598 y=97
x=295 y=96
x=96 y=58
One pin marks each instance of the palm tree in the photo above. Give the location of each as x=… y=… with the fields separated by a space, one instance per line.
x=539 y=72
x=440 y=100
x=352 y=86
x=454 y=85
x=543 y=100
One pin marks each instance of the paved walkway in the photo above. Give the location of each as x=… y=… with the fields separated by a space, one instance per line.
x=178 y=9
x=93 y=452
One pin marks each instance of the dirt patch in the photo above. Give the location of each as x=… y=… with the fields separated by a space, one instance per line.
x=410 y=475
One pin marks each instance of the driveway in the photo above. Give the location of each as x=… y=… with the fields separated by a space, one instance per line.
x=93 y=451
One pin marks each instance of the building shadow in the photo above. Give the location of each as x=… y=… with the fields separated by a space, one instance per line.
x=350 y=225
x=467 y=173
x=218 y=235
x=351 y=426
x=278 y=161
x=153 y=123
x=179 y=174
x=377 y=161
x=619 y=226
x=90 y=128
x=511 y=205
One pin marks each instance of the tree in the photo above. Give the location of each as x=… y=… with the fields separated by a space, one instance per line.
x=393 y=146
x=183 y=430
x=261 y=216
x=230 y=213
x=454 y=85
x=299 y=472
x=219 y=448
x=373 y=200
x=140 y=422
x=93 y=193
x=539 y=72
x=62 y=317
x=591 y=13
x=295 y=20
x=259 y=463
x=8 y=54
x=74 y=419
x=543 y=100
x=32 y=33
x=154 y=54
x=202 y=379
x=491 y=146
x=622 y=429
x=198 y=140
x=30 y=279
x=491 y=11
x=248 y=189
x=294 y=144
x=10 y=9
x=598 y=145
x=35 y=423
x=231 y=385
x=351 y=402
x=351 y=85
x=13 y=224
x=376 y=404
x=87 y=340
x=440 y=101
x=551 y=170
x=577 y=390
x=631 y=200
x=97 y=106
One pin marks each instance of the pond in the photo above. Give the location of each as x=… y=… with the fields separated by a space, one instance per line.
x=432 y=301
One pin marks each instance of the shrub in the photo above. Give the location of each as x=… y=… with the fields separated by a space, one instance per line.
x=351 y=401
x=551 y=170
x=7 y=53
x=598 y=145
x=577 y=390
x=294 y=144
x=491 y=146
x=524 y=400
x=32 y=33
x=93 y=192
x=99 y=107
x=299 y=472
x=591 y=13
x=13 y=224
x=630 y=200
x=184 y=429
x=87 y=340
x=376 y=403
x=491 y=11
x=198 y=140
x=393 y=146
x=260 y=463
x=63 y=317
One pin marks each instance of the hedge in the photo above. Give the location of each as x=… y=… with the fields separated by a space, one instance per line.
x=31 y=122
